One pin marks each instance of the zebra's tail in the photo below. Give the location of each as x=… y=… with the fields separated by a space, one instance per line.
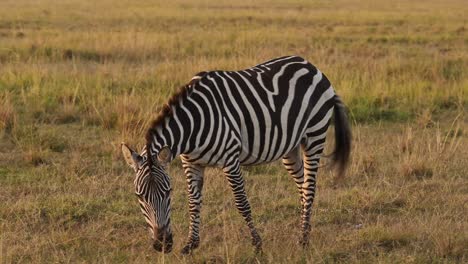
x=342 y=137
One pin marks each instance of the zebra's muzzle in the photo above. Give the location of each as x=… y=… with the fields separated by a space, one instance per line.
x=163 y=243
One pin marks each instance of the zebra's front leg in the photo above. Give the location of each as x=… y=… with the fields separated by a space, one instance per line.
x=194 y=176
x=312 y=153
x=236 y=182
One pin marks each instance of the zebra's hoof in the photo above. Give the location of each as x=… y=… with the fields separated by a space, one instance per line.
x=186 y=250
x=258 y=250
x=189 y=248
x=257 y=243
x=303 y=242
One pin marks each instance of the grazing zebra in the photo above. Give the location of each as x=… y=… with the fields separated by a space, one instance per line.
x=278 y=109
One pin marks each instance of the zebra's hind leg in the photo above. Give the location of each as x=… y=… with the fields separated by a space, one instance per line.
x=236 y=182
x=313 y=149
x=295 y=166
x=194 y=176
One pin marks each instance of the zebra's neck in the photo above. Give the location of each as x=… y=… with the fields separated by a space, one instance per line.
x=174 y=131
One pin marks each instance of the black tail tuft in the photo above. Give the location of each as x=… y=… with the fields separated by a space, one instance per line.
x=342 y=137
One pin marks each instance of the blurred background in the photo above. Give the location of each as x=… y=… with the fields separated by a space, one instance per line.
x=79 y=77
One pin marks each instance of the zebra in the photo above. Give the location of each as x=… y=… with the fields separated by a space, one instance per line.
x=277 y=109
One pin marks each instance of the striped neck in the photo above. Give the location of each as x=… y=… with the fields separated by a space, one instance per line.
x=172 y=132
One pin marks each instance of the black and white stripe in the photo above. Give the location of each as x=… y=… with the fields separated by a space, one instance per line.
x=254 y=116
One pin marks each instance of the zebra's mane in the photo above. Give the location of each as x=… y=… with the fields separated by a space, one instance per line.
x=166 y=109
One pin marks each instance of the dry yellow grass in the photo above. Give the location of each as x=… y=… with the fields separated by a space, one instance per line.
x=7 y=113
x=79 y=77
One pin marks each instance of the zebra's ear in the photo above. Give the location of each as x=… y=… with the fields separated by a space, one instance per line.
x=165 y=156
x=132 y=158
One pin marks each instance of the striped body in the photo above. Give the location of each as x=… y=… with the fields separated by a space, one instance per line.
x=261 y=113
x=278 y=109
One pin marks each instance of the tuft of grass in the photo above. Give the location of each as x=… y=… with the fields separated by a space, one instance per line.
x=7 y=113
x=419 y=169
x=452 y=70
x=35 y=157
x=450 y=245
x=388 y=239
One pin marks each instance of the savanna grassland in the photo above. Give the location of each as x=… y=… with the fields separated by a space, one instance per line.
x=78 y=77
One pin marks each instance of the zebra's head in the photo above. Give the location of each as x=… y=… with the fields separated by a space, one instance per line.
x=153 y=188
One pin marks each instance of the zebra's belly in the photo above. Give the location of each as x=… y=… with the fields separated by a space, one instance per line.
x=246 y=158
x=261 y=153
x=249 y=159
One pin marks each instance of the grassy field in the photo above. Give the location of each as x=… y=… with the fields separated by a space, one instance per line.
x=79 y=77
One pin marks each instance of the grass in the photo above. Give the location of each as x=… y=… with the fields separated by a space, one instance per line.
x=79 y=77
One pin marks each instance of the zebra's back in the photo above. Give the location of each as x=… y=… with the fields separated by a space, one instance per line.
x=267 y=109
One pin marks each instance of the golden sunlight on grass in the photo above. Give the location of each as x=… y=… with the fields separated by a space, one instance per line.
x=79 y=77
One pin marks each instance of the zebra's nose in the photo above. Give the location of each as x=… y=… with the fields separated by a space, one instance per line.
x=157 y=245
x=163 y=242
